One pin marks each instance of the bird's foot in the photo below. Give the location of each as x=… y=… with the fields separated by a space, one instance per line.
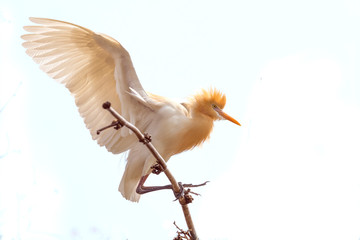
x=187 y=198
x=180 y=193
x=157 y=169
x=196 y=185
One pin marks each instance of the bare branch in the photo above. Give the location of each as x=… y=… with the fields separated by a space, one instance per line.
x=184 y=197
x=181 y=234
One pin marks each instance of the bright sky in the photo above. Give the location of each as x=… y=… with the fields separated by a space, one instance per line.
x=291 y=75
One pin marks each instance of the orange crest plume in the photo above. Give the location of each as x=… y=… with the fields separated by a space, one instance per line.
x=211 y=96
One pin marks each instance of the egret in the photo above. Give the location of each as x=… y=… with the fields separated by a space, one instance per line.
x=96 y=68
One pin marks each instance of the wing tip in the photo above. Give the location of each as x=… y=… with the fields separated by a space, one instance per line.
x=47 y=21
x=35 y=19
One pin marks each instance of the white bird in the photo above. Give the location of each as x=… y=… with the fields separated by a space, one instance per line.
x=96 y=68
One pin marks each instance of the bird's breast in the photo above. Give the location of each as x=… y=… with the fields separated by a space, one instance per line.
x=175 y=132
x=193 y=134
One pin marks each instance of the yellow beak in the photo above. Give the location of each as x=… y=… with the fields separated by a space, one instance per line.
x=226 y=116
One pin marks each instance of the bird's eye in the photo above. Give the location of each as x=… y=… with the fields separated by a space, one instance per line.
x=214 y=106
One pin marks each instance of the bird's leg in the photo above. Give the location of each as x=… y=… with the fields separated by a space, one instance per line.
x=141 y=189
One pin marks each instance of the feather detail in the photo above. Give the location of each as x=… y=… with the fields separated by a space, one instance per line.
x=86 y=63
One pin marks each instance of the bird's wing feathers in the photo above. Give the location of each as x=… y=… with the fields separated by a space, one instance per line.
x=95 y=68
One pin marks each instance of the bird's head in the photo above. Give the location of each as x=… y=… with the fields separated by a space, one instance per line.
x=211 y=103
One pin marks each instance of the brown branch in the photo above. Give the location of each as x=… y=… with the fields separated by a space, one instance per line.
x=184 y=197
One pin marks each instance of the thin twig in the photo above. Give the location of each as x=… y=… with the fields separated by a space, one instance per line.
x=181 y=234
x=146 y=139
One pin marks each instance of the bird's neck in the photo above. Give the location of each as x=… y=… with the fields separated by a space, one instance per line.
x=198 y=129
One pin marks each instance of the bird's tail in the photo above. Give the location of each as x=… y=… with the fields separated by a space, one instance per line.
x=138 y=165
x=129 y=183
x=128 y=187
x=131 y=177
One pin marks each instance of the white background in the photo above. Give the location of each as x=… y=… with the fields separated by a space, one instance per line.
x=290 y=70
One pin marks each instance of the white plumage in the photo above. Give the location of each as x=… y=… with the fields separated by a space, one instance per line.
x=96 y=68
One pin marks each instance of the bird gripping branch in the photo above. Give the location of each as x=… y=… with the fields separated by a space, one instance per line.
x=97 y=68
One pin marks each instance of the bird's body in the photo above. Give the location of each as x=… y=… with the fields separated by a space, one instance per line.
x=96 y=68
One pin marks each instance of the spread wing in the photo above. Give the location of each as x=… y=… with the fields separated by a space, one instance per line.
x=95 y=68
